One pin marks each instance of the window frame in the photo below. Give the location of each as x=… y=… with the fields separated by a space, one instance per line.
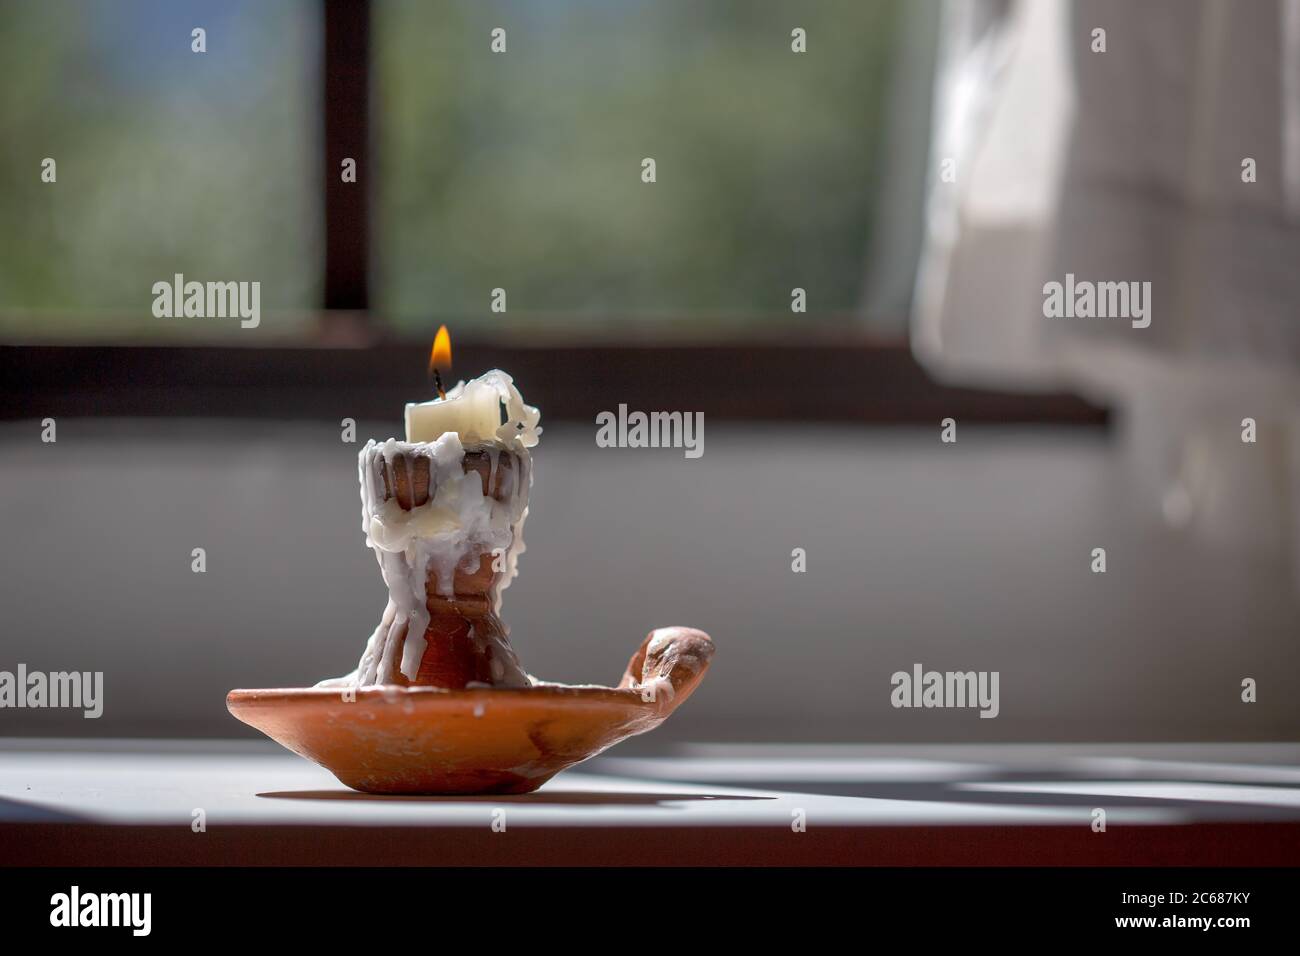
x=356 y=368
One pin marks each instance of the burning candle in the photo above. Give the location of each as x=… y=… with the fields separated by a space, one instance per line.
x=471 y=409
x=444 y=512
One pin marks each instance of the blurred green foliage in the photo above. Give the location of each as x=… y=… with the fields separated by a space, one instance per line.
x=522 y=170
x=519 y=170
x=167 y=161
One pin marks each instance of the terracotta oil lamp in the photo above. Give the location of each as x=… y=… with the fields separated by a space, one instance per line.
x=439 y=703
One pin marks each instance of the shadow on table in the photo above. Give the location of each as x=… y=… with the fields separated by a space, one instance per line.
x=1204 y=791
x=20 y=811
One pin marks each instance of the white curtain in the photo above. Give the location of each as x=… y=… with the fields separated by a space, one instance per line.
x=1126 y=165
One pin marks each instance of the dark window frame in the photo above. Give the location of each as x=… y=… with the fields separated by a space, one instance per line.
x=345 y=89
x=355 y=368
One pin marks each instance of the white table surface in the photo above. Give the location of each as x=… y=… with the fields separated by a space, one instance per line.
x=1177 y=797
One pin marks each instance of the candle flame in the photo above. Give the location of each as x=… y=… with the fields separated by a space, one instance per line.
x=440 y=354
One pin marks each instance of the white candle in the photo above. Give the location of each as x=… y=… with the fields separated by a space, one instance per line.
x=473 y=411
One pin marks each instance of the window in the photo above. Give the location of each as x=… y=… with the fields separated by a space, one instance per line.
x=166 y=161
x=522 y=170
x=775 y=170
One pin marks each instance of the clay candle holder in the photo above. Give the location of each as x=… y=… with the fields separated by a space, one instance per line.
x=439 y=703
x=464 y=639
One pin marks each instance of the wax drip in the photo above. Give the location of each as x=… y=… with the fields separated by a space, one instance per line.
x=455 y=528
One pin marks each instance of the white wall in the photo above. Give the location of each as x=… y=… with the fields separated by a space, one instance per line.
x=969 y=556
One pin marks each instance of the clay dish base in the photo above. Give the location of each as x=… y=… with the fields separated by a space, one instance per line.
x=426 y=740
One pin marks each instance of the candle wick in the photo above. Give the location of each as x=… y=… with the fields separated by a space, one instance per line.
x=437 y=383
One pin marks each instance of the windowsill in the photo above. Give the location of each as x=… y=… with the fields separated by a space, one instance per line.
x=833 y=379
